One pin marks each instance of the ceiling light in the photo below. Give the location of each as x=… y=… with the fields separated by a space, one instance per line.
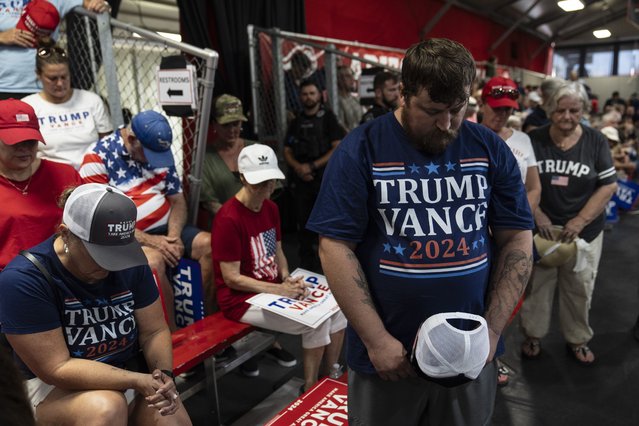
x=570 y=5
x=603 y=33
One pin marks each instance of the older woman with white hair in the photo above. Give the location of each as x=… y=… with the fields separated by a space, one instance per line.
x=577 y=179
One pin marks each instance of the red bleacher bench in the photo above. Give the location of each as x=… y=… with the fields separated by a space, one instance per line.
x=199 y=341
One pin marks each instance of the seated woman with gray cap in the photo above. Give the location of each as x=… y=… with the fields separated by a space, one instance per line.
x=80 y=305
x=248 y=259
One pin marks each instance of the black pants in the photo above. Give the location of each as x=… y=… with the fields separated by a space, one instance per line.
x=305 y=194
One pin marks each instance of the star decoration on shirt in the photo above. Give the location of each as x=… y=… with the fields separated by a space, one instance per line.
x=102 y=155
x=105 y=143
x=414 y=168
x=399 y=249
x=170 y=186
x=450 y=166
x=387 y=248
x=132 y=163
x=475 y=244
x=121 y=173
x=101 y=302
x=482 y=241
x=432 y=168
x=78 y=353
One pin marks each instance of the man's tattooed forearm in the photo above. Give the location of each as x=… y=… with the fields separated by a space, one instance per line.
x=360 y=280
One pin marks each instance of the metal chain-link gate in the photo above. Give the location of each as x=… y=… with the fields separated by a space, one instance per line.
x=119 y=62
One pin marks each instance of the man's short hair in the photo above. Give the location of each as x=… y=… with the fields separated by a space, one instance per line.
x=443 y=67
x=382 y=77
x=309 y=82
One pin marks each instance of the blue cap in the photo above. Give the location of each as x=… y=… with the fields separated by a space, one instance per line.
x=153 y=131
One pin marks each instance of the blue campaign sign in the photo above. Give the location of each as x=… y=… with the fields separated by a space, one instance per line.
x=626 y=195
x=612 y=215
x=186 y=278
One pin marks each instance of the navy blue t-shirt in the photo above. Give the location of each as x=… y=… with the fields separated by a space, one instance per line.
x=420 y=223
x=97 y=320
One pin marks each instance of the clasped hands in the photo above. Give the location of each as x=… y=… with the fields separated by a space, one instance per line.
x=160 y=393
x=294 y=287
x=569 y=233
x=305 y=172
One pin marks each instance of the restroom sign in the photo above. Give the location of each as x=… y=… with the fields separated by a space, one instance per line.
x=177 y=86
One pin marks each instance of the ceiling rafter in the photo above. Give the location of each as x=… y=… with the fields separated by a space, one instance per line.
x=589 y=25
x=499 y=18
x=558 y=14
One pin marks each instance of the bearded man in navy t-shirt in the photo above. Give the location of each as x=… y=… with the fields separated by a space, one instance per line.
x=421 y=212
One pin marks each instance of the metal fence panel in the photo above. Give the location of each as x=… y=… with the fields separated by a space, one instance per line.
x=272 y=54
x=124 y=73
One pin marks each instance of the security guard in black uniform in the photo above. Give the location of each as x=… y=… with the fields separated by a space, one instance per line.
x=386 y=87
x=310 y=140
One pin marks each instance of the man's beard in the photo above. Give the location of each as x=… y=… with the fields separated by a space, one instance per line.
x=432 y=143
x=310 y=104
x=390 y=105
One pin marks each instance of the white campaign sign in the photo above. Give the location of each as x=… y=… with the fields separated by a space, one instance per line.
x=311 y=311
x=177 y=86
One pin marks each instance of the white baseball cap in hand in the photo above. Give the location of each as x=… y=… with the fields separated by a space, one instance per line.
x=451 y=348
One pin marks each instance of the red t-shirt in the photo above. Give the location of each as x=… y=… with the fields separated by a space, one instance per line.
x=249 y=237
x=29 y=219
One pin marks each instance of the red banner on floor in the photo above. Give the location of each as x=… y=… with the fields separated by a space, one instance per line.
x=323 y=405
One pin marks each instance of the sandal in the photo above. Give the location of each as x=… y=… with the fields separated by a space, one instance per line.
x=581 y=353
x=531 y=348
x=502 y=374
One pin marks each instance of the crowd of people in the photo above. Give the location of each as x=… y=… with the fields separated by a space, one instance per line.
x=424 y=204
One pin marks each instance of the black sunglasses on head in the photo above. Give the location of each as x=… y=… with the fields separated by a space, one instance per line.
x=45 y=52
x=499 y=92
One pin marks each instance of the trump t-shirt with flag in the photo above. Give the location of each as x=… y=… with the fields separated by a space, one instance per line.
x=420 y=223
x=242 y=235
x=569 y=178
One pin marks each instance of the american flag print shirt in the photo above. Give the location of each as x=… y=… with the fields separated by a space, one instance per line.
x=263 y=249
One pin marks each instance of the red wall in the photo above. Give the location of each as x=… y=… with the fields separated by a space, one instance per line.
x=398 y=23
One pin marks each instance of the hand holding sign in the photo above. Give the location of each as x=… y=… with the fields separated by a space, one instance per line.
x=303 y=297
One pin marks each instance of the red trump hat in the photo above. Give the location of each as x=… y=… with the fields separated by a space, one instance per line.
x=39 y=17
x=18 y=122
x=500 y=92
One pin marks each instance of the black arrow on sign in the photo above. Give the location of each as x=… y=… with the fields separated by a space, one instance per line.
x=175 y=93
